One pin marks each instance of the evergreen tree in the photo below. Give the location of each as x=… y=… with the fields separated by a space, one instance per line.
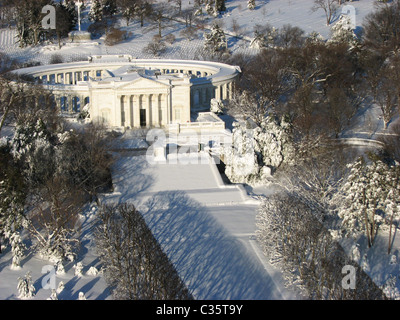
x=259 y=41
x=25 y=287
x=342 y=31
x=65 y=22
x=220 y=5
x=17 y=249
x=96 y=11
x=12 y=195
x=251 y=4
x=369 y=199
x=70 y=7
x=109 y=8
x=216 y=40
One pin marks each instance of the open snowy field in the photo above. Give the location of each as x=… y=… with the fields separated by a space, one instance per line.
x=274 y=12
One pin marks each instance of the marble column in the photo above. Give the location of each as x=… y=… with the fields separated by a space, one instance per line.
x=147 y=107
x=136 y=110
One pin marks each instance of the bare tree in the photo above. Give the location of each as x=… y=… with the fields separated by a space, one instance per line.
x=249 y=105
x=386 y=99
x=391 y=141
x=382 y=28
x=293 y=238
x=85 y=162
x=53 y=221
x=328 y=6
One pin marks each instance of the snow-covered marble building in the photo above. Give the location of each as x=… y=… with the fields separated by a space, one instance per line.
x=132 y=93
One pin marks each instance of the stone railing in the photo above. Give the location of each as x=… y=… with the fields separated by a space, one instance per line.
x=196 y=127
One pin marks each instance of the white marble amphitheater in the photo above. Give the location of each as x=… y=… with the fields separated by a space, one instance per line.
x=126 y=92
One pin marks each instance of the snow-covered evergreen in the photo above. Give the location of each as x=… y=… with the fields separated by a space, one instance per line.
x=369 y=199
x=78 y=269
x=25 y=287
x=251 y=4
x=96 y=11
x=259 y=40
x=17 y=248
x=215 y=41
x=342 y=31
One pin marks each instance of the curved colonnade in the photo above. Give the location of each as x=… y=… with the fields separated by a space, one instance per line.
x=125 y=92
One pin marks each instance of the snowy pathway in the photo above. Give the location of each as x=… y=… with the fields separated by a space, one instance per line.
x=206 y=230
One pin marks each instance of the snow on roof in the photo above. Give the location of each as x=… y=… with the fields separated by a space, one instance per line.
x=122 y=65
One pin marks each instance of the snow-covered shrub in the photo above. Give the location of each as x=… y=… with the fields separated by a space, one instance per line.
x=257 y=152
x=60 y=287
x=217 y=106
x=81 y=296
x=390 y=288
x=155 y=48
x=170 y=38
x=92 y=271
x=59 y=267
x=78 y=269
x=115 y=36
x=53 y=295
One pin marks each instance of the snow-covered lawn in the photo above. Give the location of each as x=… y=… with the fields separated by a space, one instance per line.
x=92 y=285
x=274 y=12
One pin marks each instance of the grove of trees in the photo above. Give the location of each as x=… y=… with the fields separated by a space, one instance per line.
x=48 y=172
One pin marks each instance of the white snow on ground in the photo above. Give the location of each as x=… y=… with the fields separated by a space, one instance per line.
x=93 y=286
x=275 y=12
x=206 y=229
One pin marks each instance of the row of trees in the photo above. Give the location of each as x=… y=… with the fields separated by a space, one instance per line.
x=26 y=16
x=320 y=201
x=135 y=267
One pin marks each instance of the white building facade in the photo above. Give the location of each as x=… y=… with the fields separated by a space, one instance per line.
x=125 y=92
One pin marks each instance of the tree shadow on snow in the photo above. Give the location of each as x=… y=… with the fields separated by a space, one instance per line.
x=131 y=178
x=213 y=264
